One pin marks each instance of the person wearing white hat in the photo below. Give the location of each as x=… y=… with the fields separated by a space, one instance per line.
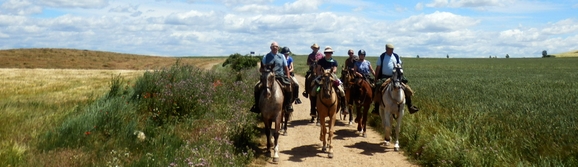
x=327 y=63
x=384 y=70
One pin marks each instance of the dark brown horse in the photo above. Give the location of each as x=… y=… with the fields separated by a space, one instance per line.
x=308 y=88
x=271 y=106
x=362 y=97
x=327 y=104
x=347 y=77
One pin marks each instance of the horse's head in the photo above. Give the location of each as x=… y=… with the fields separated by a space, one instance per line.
x=268 y=78
x=312 y=67
x=397 y=76
x=327 y=81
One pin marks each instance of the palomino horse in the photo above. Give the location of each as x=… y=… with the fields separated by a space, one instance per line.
x=308 y=87
x=362 y=96
x=327 y=103
x=271 y=106
x=392 y=105
x=347 y=77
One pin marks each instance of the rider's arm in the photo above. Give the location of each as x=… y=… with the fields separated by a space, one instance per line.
x=377 y=71
x=371 y=70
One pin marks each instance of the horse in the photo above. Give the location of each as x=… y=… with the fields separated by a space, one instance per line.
x=392 y=105
x=308 y=87
x=362 y=95
x=347 y=77
x=271 y=106
x=327 y=104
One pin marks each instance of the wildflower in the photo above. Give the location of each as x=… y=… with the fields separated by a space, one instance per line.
x=87 y=133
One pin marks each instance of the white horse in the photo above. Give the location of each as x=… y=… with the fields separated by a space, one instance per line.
x=392 y=105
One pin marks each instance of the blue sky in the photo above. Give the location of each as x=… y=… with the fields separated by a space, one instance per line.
x=429 y=28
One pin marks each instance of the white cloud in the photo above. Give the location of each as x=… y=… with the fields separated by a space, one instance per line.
x=437 y=4
x=419 y=6
x=86 y=4
x=437 y=22
x=19 y=7
x=2 y=35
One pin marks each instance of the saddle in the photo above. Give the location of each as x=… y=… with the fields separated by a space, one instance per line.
x=285 y=84
x=407 y=90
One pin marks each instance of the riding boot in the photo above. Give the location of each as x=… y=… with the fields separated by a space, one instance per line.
x=412 y=109
x=296 y=94
x=313 y=110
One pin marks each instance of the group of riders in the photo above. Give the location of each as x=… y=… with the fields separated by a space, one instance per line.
x=319 y=62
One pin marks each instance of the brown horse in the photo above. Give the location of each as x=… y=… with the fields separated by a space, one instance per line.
x=392 y=105
x=362 y=99
x=327 y=104
x=347 y=76
x=271 y=106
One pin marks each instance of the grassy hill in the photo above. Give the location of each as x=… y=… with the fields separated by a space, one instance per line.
x=567 y=54
x=84 y=59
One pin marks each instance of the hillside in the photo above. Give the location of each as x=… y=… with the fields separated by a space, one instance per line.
x=567 y=54
x=50 y=58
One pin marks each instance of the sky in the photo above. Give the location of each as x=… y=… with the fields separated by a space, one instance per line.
x=428 y=28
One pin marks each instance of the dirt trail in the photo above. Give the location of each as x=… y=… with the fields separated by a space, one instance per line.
x=302 y=147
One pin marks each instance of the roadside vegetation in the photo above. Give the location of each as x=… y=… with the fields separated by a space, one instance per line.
x=474 y=112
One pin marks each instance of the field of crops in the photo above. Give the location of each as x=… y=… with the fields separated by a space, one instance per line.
x=491 y=112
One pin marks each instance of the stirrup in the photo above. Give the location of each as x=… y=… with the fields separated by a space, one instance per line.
x=298 y=101
x=305 y=94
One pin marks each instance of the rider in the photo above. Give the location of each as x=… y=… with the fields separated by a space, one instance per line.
x=349 y=64
x=281 y=73
x=363 y=67
x=287 y=52
x=313 y=57
x=329 y=63
x=385 y=65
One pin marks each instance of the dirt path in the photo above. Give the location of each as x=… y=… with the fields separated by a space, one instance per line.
x=301 y=147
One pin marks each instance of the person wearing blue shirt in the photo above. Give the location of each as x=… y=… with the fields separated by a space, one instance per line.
x=287 y=52
x=282 y=73
x=385 y=65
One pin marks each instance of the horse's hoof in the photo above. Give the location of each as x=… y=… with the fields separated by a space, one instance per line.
x=276 y=159
x=350 y=123
x=285 y=133
x=318 y=124
x=324 y=149
x=396 y=148
x=365 y=135
x=330 y=155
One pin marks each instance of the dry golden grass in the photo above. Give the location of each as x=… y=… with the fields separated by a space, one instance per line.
x=567 y=54
x=84 y=59
x=41 y=86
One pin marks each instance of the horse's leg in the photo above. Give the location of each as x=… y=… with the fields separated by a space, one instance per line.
x=268 y=134
x=322 y=137
x=398 y=128
x=276 y=137
x=386 y=121
x=359 y=118
x=313 y=105
x=364 y=117
x=286 y=116
x=332 y=119
x=350 y=114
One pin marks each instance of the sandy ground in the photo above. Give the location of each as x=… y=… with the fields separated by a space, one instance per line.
x=302 y=147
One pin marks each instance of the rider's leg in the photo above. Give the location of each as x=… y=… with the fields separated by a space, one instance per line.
x=341 y=96
x=256 y=92
x=296 y=91
x=408 y=94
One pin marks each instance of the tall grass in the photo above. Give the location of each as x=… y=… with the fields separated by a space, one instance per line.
x=181 y=116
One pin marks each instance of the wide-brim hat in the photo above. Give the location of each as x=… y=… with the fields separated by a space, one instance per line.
x=328 y=49
x=314 y=46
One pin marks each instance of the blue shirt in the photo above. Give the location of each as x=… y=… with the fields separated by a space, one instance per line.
x=289 y=61
x=363 y=67
x=279 y=61
x=387 y=64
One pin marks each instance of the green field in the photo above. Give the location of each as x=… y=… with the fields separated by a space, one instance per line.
x=491 y=112
x=474 y=112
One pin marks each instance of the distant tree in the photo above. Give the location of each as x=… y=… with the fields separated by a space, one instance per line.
x=448 y=56
x=239 y=62
x=490 y=56
x=544 y=53
x=418 y=56
x=507 y=56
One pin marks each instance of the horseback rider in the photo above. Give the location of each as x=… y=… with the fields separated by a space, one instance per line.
x=385 y=65
x=281 y=73
x=328 y=63
x=362 y=67
x=287 y=52
x=313 y=57
x=347 y=69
